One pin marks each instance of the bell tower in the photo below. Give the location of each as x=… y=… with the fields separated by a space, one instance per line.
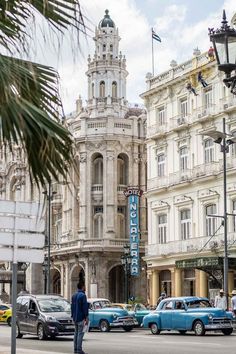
x=107 y=73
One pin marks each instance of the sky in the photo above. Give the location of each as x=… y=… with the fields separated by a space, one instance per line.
x=181 y=24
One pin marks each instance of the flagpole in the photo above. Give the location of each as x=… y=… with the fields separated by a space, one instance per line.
x=152 y=56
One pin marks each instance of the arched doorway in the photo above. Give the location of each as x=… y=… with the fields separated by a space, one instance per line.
x=116 y=284
x=77 y=274
x=56 y=281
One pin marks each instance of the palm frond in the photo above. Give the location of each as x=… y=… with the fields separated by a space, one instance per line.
x=29 y=105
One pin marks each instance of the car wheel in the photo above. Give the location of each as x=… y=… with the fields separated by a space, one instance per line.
x=104 y=326
x=9 y=321
x=128 y=328
x=40 y=332
x=18 y=334
x=227 y=331
x=182 y=331
x=199 y=328
x=154 y=328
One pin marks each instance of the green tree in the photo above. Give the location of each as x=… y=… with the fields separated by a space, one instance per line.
x=30 y=105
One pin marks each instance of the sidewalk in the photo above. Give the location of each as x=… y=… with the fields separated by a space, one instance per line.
x=7 y=350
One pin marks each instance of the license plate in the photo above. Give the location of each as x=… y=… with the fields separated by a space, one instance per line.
x=129 y=323
x=70 y=327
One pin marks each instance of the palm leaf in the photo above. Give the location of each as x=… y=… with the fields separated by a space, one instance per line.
x=29 y=105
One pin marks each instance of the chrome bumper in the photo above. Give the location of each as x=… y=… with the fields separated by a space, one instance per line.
x=215 y=326
x=124 y=323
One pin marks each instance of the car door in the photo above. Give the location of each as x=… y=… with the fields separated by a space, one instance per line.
x=179 y=316
x=166 y=314
x=22 y=313
x=33 y=314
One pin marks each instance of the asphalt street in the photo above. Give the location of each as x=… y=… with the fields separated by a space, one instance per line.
x=138 y=341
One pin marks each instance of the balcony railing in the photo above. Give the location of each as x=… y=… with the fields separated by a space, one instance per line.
x=179 y=121
x=97 y=188
x=191 y=246
x=156 y=130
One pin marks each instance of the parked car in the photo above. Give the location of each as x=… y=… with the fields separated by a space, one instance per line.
x=188 y=314
x=104 y=316
x=5 y=313
x=44 y=316
x=138 y=311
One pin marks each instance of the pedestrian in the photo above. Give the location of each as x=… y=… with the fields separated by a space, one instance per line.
x=190 y=88
x=211 y=55
x=233 y=302
x=201 y=79
x=220 y=300
x=162 y=297
x=79 y=313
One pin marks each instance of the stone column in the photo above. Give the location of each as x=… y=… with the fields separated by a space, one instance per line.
x=155 y=287
x=203 y=284
x=178 y=282
x=230 y=282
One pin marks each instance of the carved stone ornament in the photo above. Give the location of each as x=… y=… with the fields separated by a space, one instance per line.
x=82 y=157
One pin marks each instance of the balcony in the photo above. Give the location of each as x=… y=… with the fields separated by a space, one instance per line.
x=228 y=103
x=156 y=130
x=204 y=113
x=179 y=122
x=190 y=246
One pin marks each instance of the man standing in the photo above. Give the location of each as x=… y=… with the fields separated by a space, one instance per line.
x=233 y=302
x=79 y=313
x=221 y=301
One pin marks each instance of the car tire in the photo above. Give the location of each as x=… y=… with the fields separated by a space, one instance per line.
x=128 y=328
x=41 y=332
x=227 y=331
x=104 y=326
x=9 y=321
x=18 y=334
x=182 y=331
x=199 y=328
x=154 y=328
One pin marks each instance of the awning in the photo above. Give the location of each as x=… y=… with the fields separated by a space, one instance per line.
x=205 y=262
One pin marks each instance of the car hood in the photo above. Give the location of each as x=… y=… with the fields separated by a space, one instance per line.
x=211 y=310
x=120 y=312
x=61 y=315
x=140 y=312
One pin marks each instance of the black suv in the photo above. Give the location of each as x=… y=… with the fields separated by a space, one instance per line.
x=43 y=315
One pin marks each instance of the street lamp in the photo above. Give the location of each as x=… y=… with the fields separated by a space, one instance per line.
x=224 y=42
x=24 y=267
x=126 y=261
x=224 y=140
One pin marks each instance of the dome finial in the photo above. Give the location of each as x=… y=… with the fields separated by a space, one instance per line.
x=106 y=12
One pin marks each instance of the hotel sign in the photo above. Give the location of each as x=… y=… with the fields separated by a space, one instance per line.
x=133 y=195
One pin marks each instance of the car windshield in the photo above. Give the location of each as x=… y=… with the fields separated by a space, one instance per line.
x=54 y=305
x=198 y=304
x=99 y=304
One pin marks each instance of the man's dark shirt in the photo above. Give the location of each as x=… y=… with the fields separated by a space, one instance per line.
x=79 y=306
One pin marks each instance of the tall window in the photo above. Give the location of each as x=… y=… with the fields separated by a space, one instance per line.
x=102 y=89
x=98 y=225
x=208 y=98
x=185 y=224
x=104 y=47
x=161 y=116
x=162 y=228
x=92 y=89
x=233 y=146
x=210 y=220
x=234 y=212
x=122 y=170
x=114 y=89
x=98 y=170
x=184 y=108
x=183 y=158
x=111 y=47
x=161 y=165
x=209 y=150
x=121 y=226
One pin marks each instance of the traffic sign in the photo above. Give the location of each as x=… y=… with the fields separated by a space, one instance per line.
x=22 y=239
x=22 y=255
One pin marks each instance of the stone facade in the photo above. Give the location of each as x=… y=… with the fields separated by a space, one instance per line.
x=185 y=179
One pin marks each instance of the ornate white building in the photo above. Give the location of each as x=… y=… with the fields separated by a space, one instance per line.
x=185 y=179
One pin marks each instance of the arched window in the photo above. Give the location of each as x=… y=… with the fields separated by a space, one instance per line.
x=98 y=225
x=104 y=47
x=102 y=89
x=209 y=150
x=114 y=89
x=92 y=90
x=122 y=170
x=98 y=170
x=211 y=221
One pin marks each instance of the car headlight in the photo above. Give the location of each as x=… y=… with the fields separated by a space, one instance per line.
x=210 y=316
x=50 y=319
x=115 y=315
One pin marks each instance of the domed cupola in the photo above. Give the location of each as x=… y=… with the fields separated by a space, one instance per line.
x=107 y=21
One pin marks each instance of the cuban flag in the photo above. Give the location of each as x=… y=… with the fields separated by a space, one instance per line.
x=155 y=36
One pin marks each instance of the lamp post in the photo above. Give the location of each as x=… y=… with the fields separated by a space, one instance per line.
x=24 y=267
x=224 y=140
x=126 y=261
x=224 y=42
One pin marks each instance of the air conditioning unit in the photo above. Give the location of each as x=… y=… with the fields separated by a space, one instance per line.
x=226 y=106
x=181 y=120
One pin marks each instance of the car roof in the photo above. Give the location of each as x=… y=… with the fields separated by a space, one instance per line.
x=92 y=299
x=186 y=298
x=42 y=296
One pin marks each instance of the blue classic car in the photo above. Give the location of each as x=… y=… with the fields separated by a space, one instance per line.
x=188 y=314
x=103 y=316
x=138 y=311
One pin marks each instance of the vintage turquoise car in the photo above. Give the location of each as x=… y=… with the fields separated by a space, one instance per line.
x=188 y=314
x=138 y=311
x=105 y=317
